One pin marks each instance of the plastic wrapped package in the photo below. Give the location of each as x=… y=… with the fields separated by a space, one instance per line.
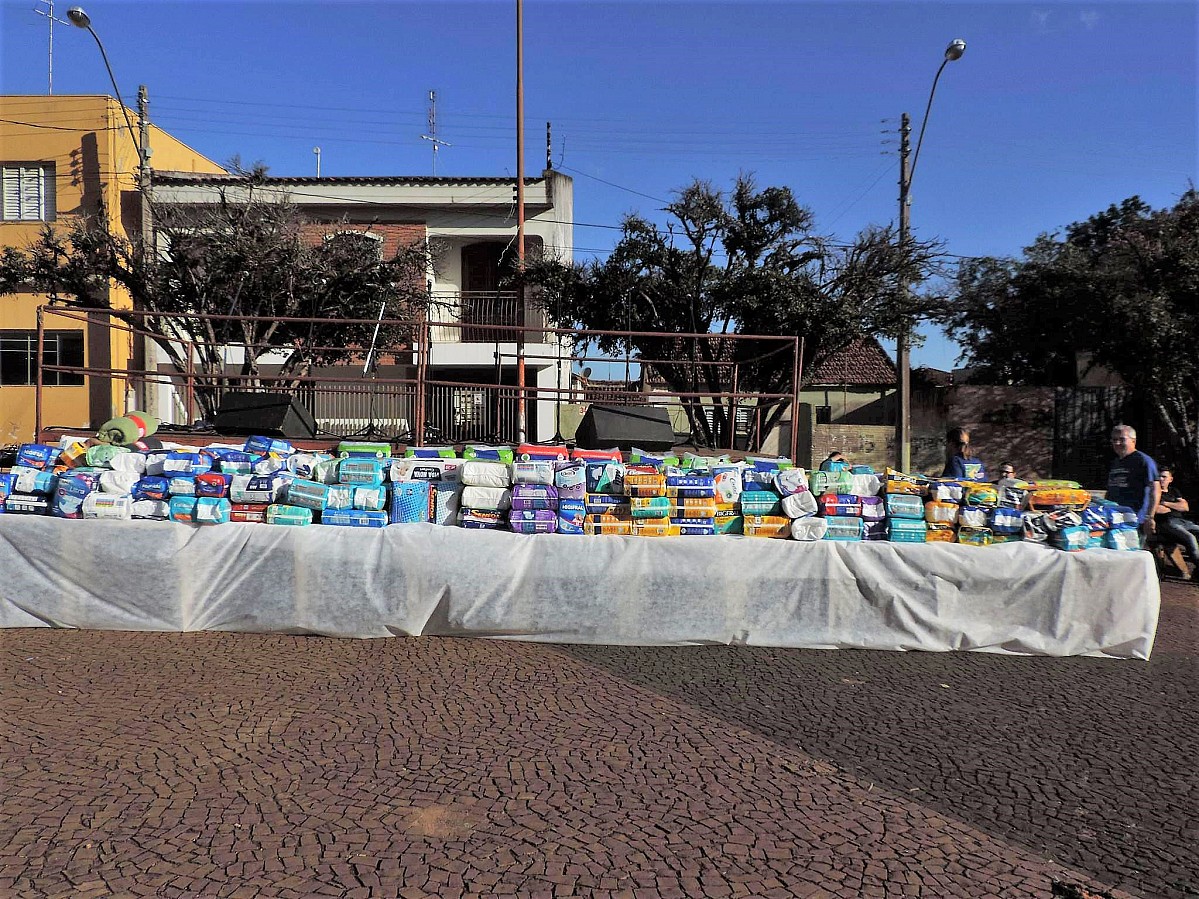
x=1122 y=539
x=248 y=513
x=308 y=494
x=1120 y=517
x=651 y=527
x=354 y=518
x=844 y=505
x=152 y=488
x=181 y=485
x=481 y=519
x=946 y=491
x=529 y=521
x=178 y=462
x=261 y=446
x=692 y=527
x=571 y=515
x=27 y=504
x=977 y=494
x=535 y=452
x=360 y=472
x=599 y=503
x=269 y=464
x=72 y=489
x=498 y=498
x=799 y=505
x=34 y=480
x=1003 y=520
x=578 y=454
x=446 y=495
x=874 y=530
x=134 y=463
x=36 y=455
x=939 y=513
x=370 y=498
x=110 y=507
x=644 y=481
x=873 y=508
x=898 y=482
x=939 y=533
x=533 y=497
x=290 y=516
x=538 y=471
x=606 y=477
x=411 y=502
x=691 y=486
x=974 y=517
x=907 y=530
x=270 y=488
x=843 y=528
x=687 y=507
x=211 y=510
x=421 y=469
x=607 y=525
x=761 y=502
x=430 y=452
x=726 y=479
x=152 y=509
x=1035 y=527
x=650 y=506
x=486 y=453
x=341 y=496
x=183 y=509
x=972 y=536
x=213 y=483
x=1049 y=498
x=865 y=485
x=475 y=473
x=363 y=449
x=766 y=526
x=728 y=520
x=119 y=483
x=790 y=481
x=1071 y=539
x=570 y=480
x=809 y=529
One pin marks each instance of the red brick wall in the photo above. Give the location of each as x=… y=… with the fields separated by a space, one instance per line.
x=394 y=236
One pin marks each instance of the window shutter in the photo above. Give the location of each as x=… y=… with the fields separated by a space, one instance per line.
x=28 y=193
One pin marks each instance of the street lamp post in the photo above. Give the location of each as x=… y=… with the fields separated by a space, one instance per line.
x=141 y=144
x=903 y=361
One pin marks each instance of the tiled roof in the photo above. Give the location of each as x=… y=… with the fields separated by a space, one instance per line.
x=410 y=180
x=862 y=362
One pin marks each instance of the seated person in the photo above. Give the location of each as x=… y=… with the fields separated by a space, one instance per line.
x=1007 y=472
x=1172 y=523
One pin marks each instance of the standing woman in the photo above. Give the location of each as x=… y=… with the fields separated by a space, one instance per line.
x=958 y=461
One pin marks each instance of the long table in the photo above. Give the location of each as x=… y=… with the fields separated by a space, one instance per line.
x=425 y=580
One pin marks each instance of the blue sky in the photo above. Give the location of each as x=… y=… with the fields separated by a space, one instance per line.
x=1055 y=111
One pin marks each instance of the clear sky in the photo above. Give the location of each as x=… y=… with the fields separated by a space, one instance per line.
x=1055 y=111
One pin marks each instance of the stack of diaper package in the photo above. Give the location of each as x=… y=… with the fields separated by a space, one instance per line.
x=532 y=489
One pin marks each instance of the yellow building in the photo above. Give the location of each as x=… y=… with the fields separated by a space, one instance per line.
x=62 y=157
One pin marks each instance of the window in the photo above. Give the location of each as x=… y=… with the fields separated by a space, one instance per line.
x=18 y=352
x=28 y=191
x=824 y=415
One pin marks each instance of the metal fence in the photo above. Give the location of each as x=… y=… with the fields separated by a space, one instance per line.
x=391 y=391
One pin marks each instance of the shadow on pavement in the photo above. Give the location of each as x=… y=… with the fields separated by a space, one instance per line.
x=1090 y=762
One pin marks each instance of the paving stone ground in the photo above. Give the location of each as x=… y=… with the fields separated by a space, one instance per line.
x=197 y=765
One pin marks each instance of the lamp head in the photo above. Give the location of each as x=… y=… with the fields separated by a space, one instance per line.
x=78 y=17
x=954 y=51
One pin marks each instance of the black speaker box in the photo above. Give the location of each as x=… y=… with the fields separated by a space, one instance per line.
x=644 y=427
x=268 y=414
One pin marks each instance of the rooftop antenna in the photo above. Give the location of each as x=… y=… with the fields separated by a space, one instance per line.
x=50 y=20
x=432 y=135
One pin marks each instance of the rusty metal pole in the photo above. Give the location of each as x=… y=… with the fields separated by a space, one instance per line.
x=796 y=369
x=521 y=412
x=37 y=396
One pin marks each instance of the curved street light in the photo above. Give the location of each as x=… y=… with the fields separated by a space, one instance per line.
x=81 y=19
x=903 y=424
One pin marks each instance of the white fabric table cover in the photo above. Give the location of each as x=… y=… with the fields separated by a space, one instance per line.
x=421 y=579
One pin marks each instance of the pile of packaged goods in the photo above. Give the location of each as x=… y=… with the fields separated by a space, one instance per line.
x=533 y=489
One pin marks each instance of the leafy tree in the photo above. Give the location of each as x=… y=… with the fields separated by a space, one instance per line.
x=1122 y=286
x=251 y=257
x=748 y=262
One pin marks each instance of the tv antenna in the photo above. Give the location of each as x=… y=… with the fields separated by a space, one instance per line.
x=50 y=20
x=432 y=135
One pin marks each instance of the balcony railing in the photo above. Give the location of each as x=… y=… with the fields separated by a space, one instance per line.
x=478 y=316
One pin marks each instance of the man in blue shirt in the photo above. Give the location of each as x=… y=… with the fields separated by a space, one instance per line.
x=1132 y=479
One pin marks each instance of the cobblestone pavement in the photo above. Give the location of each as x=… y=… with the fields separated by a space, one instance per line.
x=188 y=765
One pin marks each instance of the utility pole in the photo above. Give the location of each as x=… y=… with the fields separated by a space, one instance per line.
x=144 y=350
x=549 y=147
x=903 y=423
